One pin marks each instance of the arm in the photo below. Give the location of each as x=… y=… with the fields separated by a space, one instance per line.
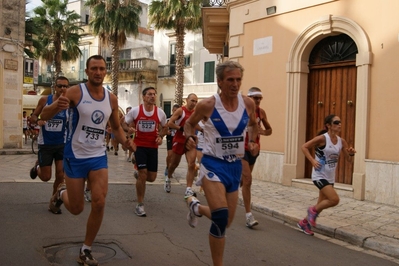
x=176 y=115
x=68 y=98
x=252 y=126
x=202 y=112
x=315 y=142
x=348 y=151
x=114 y=121
x=268 y=129
x=35 y=116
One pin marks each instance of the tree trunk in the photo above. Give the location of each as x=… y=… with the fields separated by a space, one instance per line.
x=180 y=34
x=115 y=66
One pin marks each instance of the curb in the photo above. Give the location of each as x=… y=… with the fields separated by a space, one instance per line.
x=15 y=151
x=350 y=234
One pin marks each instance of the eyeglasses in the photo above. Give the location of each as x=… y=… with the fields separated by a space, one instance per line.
x=257 y=98
x=62 y=86
x=336 y=122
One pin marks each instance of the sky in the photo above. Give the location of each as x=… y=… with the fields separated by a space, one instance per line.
x=34 y=3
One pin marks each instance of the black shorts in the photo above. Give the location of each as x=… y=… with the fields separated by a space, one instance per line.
x=249 y=158
x=147 y=158
x=322 y=183
x=169 y=142
x=48 y=153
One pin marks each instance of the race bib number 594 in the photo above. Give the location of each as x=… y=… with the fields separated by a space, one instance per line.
x=230 y=145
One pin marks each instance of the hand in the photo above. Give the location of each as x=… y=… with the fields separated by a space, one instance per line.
x=253 y=148
x=351 y=151
x=131 y=130
x=63 y=102
x=158 y=140
x=191 y=142
x=41 y=122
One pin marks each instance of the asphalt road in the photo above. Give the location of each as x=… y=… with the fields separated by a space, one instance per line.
x=30 y=235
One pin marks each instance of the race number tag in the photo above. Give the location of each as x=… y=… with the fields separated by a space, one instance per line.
x=92 y=136
x=54 y=125
x=226 y=146
x=146 y=126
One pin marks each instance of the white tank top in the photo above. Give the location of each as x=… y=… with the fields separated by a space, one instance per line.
x=328 y=157
x=86 y=129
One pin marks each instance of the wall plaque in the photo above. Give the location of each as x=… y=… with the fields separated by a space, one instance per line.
x=11 y=64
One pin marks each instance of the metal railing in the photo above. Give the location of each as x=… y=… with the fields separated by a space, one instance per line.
x=211 y=3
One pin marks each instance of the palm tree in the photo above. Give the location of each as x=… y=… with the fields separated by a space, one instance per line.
x=177 y=15
x=58 y=32
x=113 y=21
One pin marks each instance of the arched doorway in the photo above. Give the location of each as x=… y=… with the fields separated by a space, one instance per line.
x=332 y=90
x=297 y=88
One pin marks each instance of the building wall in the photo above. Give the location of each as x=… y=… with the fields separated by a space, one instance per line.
x=291 y=34
x=193 y=74
x=12 y=29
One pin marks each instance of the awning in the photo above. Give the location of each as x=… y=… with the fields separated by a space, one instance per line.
x=30 y=101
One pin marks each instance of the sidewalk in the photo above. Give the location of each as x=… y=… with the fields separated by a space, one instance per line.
x=364 y=224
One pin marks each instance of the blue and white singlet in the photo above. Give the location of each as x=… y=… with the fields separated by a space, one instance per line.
x=224 y=131
x=53 y=132
x=86 y=127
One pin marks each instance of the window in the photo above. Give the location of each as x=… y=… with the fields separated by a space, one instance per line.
x=187 y=60
x=209 y=72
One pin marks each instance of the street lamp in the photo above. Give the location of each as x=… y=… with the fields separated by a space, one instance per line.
x=52 y=69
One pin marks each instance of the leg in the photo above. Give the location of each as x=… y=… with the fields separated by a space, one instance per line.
x=174 y=162
x=99 y=188
x=246 y=185
x=140 y=184
x=328 y=197
x=190 y=157
x=215 y=194
x=59 y=175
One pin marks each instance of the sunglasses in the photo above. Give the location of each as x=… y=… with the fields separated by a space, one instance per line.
x=336 y=122
x=257 y=98
x=62 y=86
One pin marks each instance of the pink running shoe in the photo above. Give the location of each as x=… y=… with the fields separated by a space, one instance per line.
x=305 y=227
x=312 y=215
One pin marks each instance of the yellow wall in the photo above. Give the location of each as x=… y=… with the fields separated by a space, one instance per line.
x=268 y=71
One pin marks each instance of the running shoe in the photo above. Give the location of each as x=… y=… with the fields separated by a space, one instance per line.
x=251 y=221
x=33 y=171
x=312 y=215
x=140 y=210
x=189 y=193
x=191 y=216
x=305 y=227
x=56 y=201
x=85 y=258
x=167 y=186
x=87 y=195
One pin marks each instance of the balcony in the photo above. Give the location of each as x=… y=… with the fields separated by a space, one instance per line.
x=215 y=26
x=166 y=71
x=135 y=70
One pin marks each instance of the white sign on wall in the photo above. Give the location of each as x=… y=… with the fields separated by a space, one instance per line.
x=263 y=45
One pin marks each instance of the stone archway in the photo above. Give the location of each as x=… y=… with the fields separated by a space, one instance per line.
x=297 y=78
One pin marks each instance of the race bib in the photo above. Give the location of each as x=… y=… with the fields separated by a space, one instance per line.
x=54 y=125
x=146 y=126
x=226 y=146
x=92 y=136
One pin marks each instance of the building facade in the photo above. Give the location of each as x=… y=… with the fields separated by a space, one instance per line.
x=199 y=70
x=312 y=58
x=12 y=42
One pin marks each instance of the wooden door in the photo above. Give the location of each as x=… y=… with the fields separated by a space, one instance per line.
x=332 y=90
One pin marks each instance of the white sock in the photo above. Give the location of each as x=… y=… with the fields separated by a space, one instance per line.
x=166 y=178
x=196 y=209
x=248 y=214
x=85 y=247
x=62 y=191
